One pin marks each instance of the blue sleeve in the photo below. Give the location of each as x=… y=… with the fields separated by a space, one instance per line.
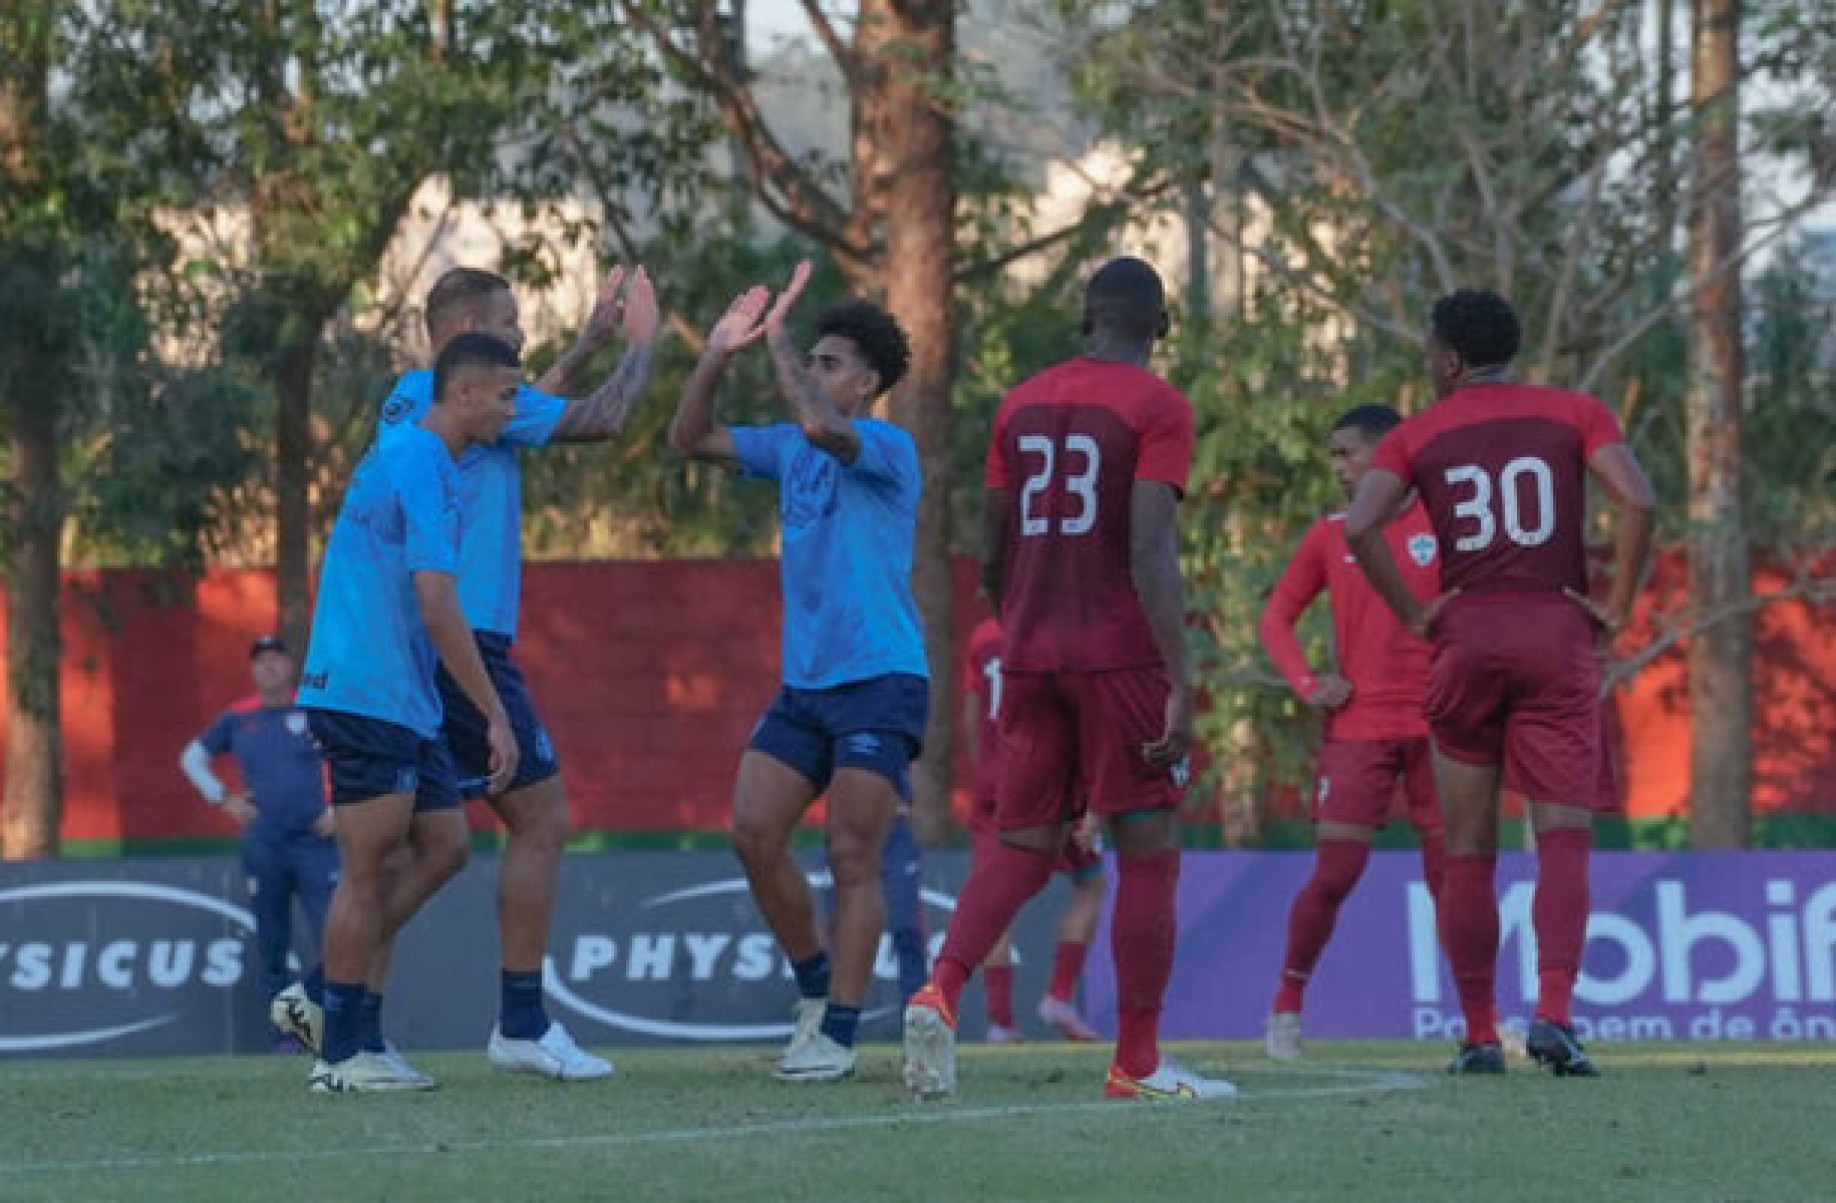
x=760 y=449
x=532 y=423
x=887 y=453
x=216 y=740
x=427 y=489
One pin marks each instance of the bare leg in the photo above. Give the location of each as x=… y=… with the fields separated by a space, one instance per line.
x=536 y=818
x=861 y=807
x=768 y=802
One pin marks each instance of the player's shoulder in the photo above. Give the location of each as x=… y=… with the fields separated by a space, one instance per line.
x=241 y=706
x=889 y=433
x=408 y=398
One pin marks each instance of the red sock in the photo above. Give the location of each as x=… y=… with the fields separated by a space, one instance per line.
x=998 y=980
x=1558 y=913
x=1468 y=911
x=1142 y=935
x=1001 y=880
x=1336 y=868
x=1067 y=967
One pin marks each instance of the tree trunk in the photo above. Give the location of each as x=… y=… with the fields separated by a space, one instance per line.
x=1720 y=580
x=33 y=804
x=920 y=242
x=292 y=479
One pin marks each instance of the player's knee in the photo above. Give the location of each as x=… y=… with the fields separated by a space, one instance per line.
x=853 y=861
x=754 y=842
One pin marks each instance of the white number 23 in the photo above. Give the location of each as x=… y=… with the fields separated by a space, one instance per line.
x=1080 y=484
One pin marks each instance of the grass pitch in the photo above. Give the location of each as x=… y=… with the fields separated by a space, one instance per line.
x=1368 y=1122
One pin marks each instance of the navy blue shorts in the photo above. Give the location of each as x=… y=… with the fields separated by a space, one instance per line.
x=370 y=757
x=876 y=724
x=465 y=725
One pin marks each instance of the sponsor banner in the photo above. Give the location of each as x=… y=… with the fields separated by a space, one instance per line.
x=134 y=958
x=1684 y=946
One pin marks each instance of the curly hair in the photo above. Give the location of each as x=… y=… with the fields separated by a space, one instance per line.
x=1480 y=326
x=875 y=333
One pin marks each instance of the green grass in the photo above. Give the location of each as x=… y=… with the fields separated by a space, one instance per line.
x=1368 y=1122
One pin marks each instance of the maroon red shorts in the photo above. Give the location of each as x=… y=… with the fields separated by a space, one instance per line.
x=1515 y=682
x=1076 y=861
x=1071 y=741
x=1359 y=778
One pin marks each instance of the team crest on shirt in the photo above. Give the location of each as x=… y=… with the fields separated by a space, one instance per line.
x=296 y=722
x=1421 y=550
x=396 y=408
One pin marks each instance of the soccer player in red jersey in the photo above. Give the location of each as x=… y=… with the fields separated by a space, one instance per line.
x=1081 y=559
x=1375 y=736
x=1514 y=684
x=1082 y=862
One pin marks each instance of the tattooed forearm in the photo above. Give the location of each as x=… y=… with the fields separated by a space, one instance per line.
x=602 y=414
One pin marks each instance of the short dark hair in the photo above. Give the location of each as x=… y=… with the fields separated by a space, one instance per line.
x=1126 y=298
x=1479 y=325
x=460 y=289
x=471 y=350
x=1373 y=421
x=875 y=333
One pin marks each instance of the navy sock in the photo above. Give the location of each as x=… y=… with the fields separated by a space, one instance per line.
x=343 y=1021
x=812 y=976
x=839 y=1022
x=522 y=1015
x=314 y=982
x=372 y=1023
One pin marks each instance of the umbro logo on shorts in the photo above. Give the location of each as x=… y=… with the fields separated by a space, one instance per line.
x=863 y=743
x=406 y=781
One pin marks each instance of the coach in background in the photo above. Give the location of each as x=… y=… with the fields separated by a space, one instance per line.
x=287 y=844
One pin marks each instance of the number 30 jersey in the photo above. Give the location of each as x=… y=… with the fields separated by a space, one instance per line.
x=1502 y=472
x=1068 y=446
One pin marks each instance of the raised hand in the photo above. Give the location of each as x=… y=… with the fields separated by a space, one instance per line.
x=780 y=312
x=740 y=324
x=609 y=308
x=642 y=318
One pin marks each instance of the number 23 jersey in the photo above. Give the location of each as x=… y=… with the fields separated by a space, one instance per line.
x=1068 y=446
x=1502 y=472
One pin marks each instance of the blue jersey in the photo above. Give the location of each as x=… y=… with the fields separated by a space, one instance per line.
x=280 y=766
x=849 y=614
x=490 y=497
x=370 y=653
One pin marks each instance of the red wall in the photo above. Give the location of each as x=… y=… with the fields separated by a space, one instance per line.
x=651 y=674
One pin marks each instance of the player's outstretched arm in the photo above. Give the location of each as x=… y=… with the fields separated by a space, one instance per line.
x=438 y=596
x=695 y=432
x=1625 y=482
x=1380 y=493
x=601 y=324
x=1153 y=551
x=822 y=423
x=603 y=413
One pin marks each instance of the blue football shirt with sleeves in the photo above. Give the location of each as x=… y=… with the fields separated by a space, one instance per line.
x=370 y=653
x=490 y=497
x=846 y=570
x=279 y=764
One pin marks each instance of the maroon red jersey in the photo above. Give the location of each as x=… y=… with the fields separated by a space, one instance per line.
x=1068 y=446
x=1502 y=471
x=984 y=673
x=1386 y=664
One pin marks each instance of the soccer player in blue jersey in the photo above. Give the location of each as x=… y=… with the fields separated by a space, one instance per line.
x=850 y=717
x=287 y=845
x=533 y=807
x=388 y=616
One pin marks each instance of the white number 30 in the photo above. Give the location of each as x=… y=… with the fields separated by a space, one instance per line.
x=1476 y=507
x=1081 y=484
